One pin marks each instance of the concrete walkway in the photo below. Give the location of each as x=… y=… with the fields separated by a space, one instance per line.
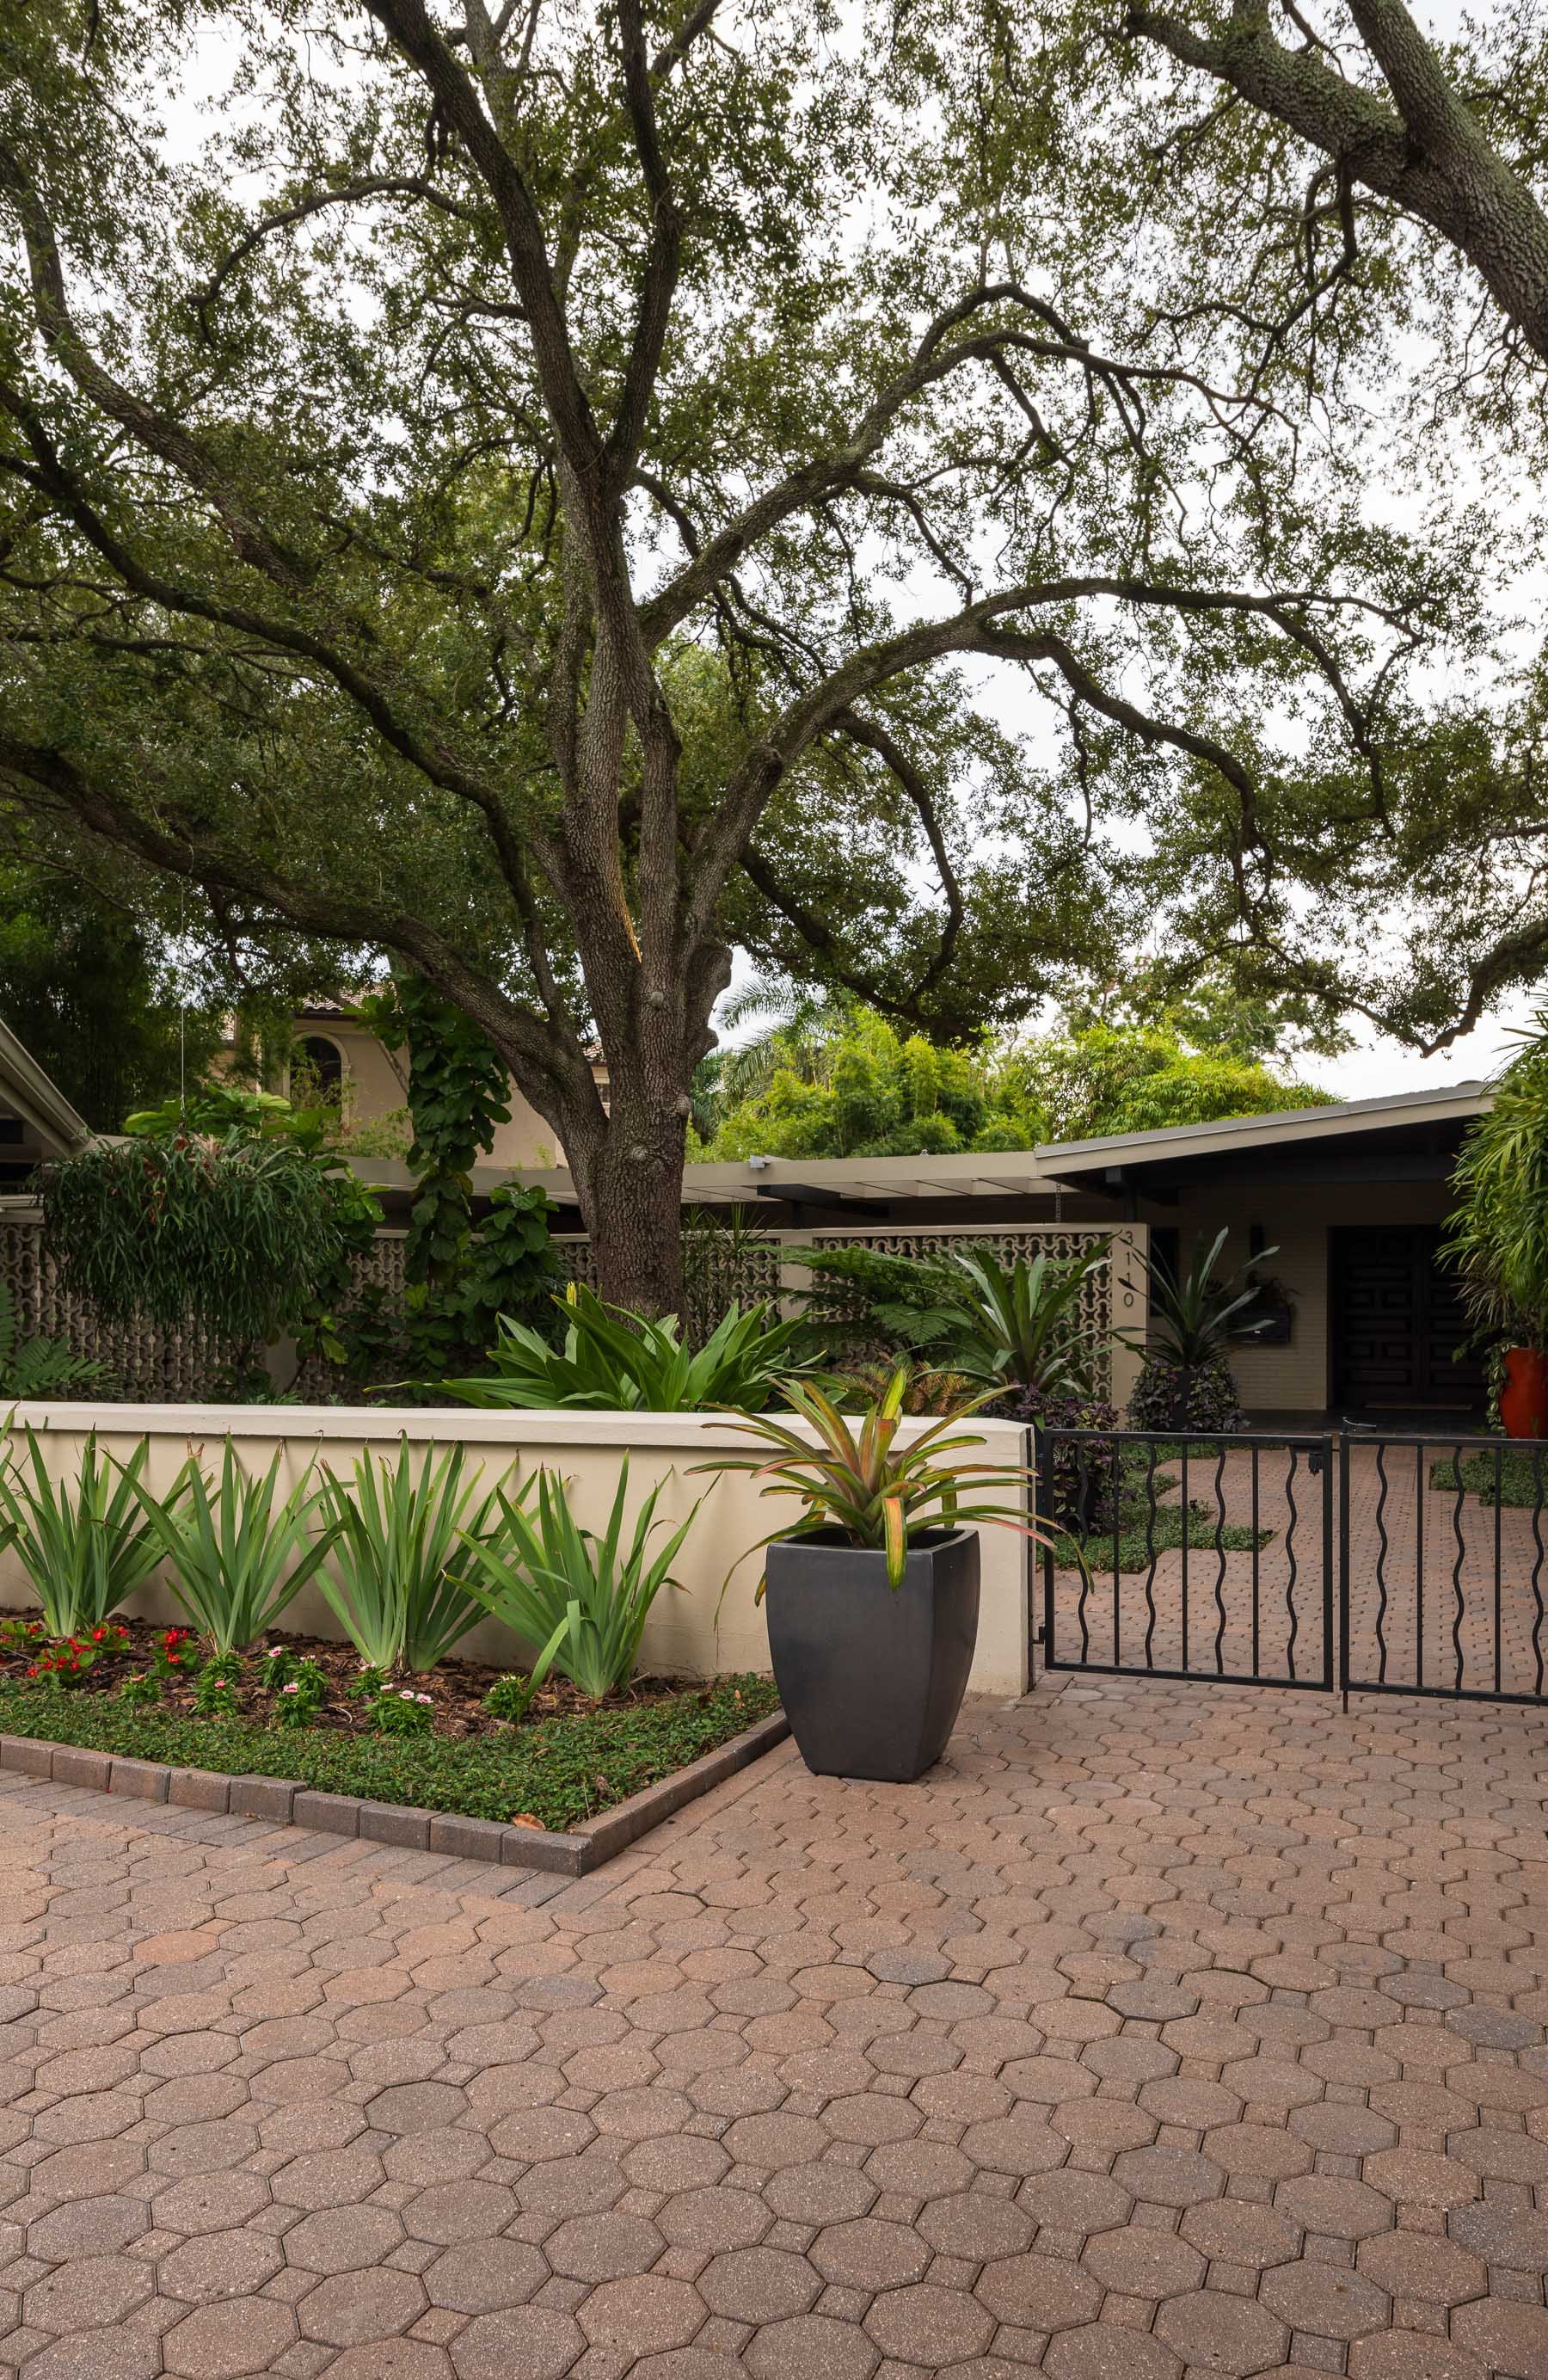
x=1165 y=2029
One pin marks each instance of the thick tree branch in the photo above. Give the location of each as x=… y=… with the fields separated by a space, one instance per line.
x=1427 y=152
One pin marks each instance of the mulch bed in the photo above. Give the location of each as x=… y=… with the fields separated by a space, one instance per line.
x=456 y=1688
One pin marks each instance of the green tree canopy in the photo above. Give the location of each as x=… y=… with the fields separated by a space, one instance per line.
x=89 y=989
x=551 y=496
x=847 y=1084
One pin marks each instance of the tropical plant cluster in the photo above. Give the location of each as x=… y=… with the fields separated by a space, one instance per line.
x=1498 y=1237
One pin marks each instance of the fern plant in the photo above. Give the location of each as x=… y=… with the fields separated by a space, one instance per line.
x=40 y=1366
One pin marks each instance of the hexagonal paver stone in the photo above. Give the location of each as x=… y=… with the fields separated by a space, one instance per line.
x=210 y=2201
x=1509 y=2336
x=1217 y=2332
x=342 y=2239
x=604 y=2247
x=1020 y=2143
x=758 y=2285
x=871 y=2256
x=1344 y=2209
x=89 y=2293
x=1326 y=2300
x=389 y=2359
x=87 y=2226
x=451 y=2211
x=930 y=2326
x=351 y=2308
x=1141 y=2263
x=1162 y=2177
x=415 y=2106
x=219 y=2264
x=1235 y=2232
x=1039 y=2292
x=228 y=2342
x=710 y=2220
x=1109 y=2351
x=812 y=2347
x=1509 y=2236
x=648 y=2313
x=538 y=2342
x=1411 y=2355
x=486 y=2276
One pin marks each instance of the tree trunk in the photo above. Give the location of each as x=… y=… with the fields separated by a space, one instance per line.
x=627 y=1169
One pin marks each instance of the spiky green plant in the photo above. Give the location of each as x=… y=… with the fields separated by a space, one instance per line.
x=584 y=1597
x=394 y=1541
x=875 y=1493
x=84 y=1545
x=1021 y=1323
x=613 y=1360
x=1194 y=1320
x=236 y=1562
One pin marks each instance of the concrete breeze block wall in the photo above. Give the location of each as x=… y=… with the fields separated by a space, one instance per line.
x=693 y=1632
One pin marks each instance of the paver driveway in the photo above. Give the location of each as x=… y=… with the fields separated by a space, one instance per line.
x=1166 y=2029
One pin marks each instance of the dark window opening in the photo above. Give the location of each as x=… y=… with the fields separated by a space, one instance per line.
x=320 y=1066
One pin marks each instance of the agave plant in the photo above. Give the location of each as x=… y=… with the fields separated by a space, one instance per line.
x=582 y=1596
x=85 y=1548
x=1194 y=1320
x=872 y=1491
x=236 y=1563
x=1021 y=1323
x=614 y=1361
x=395 y=1540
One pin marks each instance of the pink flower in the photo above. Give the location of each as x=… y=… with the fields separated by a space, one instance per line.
x=423 y=1698
x=407 y=1694
x=291 y=1689
x=274 y=1651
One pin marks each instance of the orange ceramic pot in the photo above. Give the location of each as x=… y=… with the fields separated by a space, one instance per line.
x=1524 y=1398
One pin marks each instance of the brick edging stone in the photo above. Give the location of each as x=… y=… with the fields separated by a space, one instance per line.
x=285 y=1802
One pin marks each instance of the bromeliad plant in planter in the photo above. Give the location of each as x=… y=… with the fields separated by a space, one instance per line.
x=872 y=1593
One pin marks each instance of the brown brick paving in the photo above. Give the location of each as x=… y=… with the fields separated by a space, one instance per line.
x=1166 y=2030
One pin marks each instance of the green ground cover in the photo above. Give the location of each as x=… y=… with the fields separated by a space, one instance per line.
x=558 y=1771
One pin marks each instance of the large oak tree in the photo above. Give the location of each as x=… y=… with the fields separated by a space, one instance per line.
x=547 y=493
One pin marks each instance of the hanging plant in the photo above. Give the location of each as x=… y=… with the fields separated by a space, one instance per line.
x=236 y=1232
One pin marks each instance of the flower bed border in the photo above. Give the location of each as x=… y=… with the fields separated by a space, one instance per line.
x=289 y=1804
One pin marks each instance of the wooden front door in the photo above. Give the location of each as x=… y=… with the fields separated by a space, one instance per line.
x=1398 y=1322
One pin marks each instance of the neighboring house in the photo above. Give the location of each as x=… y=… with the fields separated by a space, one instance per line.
x=37 y=1120
x=370 y=1082
x=1352 y=1199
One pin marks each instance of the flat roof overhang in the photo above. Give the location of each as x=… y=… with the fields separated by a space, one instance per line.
x=1414 y=1137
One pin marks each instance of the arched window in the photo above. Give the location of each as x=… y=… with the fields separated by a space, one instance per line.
x=321 y=1061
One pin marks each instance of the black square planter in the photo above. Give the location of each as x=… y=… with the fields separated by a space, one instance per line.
x=872 y=1679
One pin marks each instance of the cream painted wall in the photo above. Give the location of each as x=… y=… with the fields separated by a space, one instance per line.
x=694 y=1632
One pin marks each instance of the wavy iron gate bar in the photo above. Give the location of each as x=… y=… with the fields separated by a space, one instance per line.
x=1441 y=1567
x=1351 y=1562
x=1209 y=1558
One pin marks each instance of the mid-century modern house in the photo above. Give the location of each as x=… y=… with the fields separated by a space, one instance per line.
x=1351 y=1199
x=37 y=1120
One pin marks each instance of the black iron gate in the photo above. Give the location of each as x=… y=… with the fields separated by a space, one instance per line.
x=1350 y=1561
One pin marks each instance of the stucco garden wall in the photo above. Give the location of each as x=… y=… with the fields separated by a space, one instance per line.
x=694 y=1632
